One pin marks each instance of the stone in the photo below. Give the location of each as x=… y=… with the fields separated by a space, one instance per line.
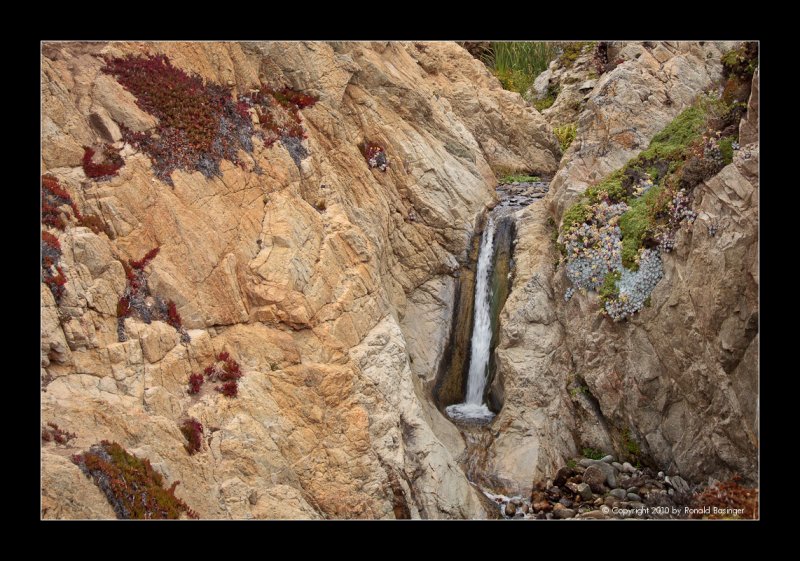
x=628 y=468
x=632 y=489
x=585 y=491
x=661 y=475
x=564 y=513
x=594 y=515
x=510 y=509
x=562 y=475
x=525 y=508
x=542 y=506
x=634 y=497
x=618 y=493
x=607 y=459
x=595 y=478
x=617 y=466
x=566 y=502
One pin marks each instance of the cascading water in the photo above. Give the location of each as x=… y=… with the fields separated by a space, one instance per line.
x=473 y=407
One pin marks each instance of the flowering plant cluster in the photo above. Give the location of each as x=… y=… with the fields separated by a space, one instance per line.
x=225 y=370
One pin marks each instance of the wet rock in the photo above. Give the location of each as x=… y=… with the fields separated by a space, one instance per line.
x=510 y=509
x=525 y=508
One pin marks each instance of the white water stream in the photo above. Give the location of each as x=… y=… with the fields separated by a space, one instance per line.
x=473 y=407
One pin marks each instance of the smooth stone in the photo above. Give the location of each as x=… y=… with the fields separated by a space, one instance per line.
x=661 y=475
x=562 y=475
x=628 y=468
x=594 y=514
x=632 y=489
x=619 y=493
x=586 y=462
x=617 y=465
x=510 y=509
x=594 y=477
x=564 y=513
x=585 y=492
x=566 y=502
x=607 y=459
x=634 y=497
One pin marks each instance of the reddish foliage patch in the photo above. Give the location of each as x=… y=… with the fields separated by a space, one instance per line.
x=228 y=389
x=51 y=433
x=54 y=196
x=727 y=498
x=52 y=273
x=195 y=383
x=108 y=168
x=137 y=300
x=225 y=369
x=200 y=123
x=131 y=485
x=193 y=431
x=375 y=155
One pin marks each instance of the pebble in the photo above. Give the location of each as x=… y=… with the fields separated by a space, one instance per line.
x=617 y=465
x=628 y=468
x=619 y=493
x=562 y=475
x=510 y=509
x=595 y=478
x=607 y=459
x=596 y=514
x=525 y=508
x=585 y=492
x=634 y=497
x=564 y=513
x=632 y=489
x=566 y=502
x=661 y=475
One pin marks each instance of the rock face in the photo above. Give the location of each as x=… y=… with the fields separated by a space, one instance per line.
x=326 y=280
x=679 y=381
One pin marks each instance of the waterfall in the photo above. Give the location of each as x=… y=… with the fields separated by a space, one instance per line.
x=480 y=350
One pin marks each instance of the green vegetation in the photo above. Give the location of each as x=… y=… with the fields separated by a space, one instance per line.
x=726 y=148
x=131 y=485
x=592 y=453
x=675 y=137
x=511 y=178
x=576 y=214
x=609 y=290
x=565 y=135
x=571 y=463
x=630 y=445
x=742 y=61
x=572 y=51
x=549 y=99
x=635 y=224
x=517 y=63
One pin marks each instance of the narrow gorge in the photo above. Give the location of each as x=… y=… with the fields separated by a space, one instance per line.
x=336 y=280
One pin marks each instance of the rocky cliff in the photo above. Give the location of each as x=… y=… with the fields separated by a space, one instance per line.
x=677 y=383
x=327 y=280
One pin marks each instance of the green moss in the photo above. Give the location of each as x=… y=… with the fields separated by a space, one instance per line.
x=611 y=185
x=647 y=302
x=741 y=61
x=565 y=135
x=572 y=464
x=572 y=51
x=634 y=225
x=609 y=290
x=520 y=178
x=630 y=445
x=726 y=148
x=593 y=453
x=675 y=137
x=544 y=103
x=576 y=214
